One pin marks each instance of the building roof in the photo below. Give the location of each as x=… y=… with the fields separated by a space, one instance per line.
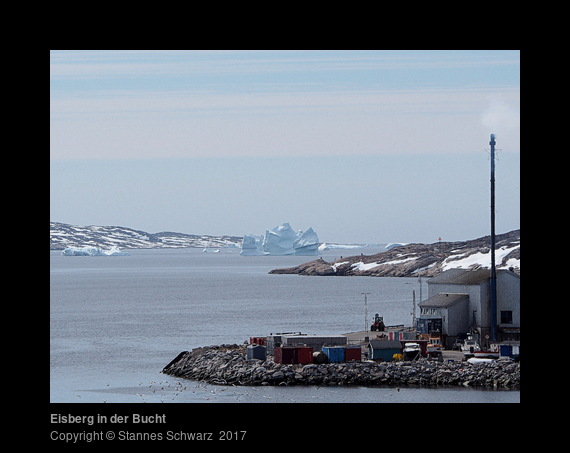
x=468 y=276
x=444 y=300
x=462 y=276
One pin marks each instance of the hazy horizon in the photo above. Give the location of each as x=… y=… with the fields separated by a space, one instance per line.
x=363 y=146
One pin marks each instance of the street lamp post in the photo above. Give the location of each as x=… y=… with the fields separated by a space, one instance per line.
x=365 y=312
x=413 y=306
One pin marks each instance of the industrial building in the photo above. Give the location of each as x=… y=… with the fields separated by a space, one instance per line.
x=314 y=341
x=459 y=302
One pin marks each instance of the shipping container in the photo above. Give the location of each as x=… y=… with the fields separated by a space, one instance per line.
x=401 y=335
x=410 y=335
x=255 y=351
x=273 y=341
x=509 y=350
x=352 y=353
x=335 y=354
x=384 y=349
x=293 y=354
x=258 y=340
x=304 y=355
x=283 y=355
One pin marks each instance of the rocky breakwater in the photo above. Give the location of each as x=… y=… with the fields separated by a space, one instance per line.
x=228 y=365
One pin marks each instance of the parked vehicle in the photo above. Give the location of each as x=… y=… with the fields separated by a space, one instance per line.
x=412 y=351
x=470 y=345
x=435 y=350
x=378 y=324
x=459 y=341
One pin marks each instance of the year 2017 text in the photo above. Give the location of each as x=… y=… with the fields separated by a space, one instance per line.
x=231 y=435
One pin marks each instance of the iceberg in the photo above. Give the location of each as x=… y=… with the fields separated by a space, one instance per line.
x=93 y=251
x=328 y=246
x=307 y=244
x=281 y=241
x=251 y=245
x=392 y=245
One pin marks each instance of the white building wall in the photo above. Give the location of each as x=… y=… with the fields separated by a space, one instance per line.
x=509 y=297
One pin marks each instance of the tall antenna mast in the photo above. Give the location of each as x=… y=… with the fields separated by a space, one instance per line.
x=493 y=280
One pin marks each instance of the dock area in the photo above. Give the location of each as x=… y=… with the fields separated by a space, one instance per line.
x=363 y=337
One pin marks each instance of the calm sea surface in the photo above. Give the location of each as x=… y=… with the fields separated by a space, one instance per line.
x=116 y=321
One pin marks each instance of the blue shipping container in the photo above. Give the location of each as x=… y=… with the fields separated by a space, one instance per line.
x=335 y=354
x=255 y=351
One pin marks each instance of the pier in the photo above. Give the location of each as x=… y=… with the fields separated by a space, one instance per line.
x=363 y=337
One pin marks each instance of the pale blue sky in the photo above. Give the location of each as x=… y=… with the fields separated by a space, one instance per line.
x=364 y=146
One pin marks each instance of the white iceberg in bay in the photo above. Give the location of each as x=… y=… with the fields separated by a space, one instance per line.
x=93 y=251
x=281 y=241
x=252 y=245
x=307 y=244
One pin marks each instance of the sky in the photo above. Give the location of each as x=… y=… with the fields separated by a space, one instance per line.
x=364 y=146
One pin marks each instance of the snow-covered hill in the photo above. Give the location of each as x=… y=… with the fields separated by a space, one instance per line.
x=63 y=235
x=409 y=260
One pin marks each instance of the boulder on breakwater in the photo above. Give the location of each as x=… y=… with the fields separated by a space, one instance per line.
x=228 y=365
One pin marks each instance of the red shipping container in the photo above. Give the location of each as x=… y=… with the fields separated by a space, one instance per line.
x=258 y=340
x=352 y=353
x=284 y=355
x=293 y=354
x=304 y=355
x=277 y=354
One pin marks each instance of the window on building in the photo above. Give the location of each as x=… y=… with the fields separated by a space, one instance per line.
x=506 y=317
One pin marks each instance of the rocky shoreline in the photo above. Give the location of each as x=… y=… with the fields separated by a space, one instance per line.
x=228 y=365
x=412 y=260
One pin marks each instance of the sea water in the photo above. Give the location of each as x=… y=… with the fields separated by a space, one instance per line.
x=116 y=321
